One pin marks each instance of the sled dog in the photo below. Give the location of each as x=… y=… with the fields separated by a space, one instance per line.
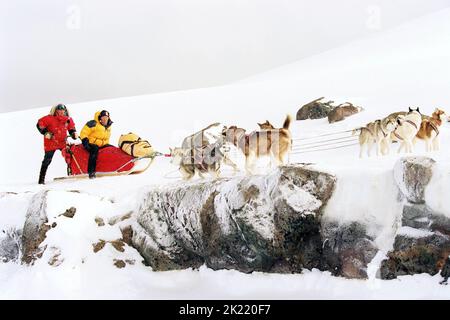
x=376 y=133
x=407 y=130
x=429 y=130
x=209 y=135
x=269 y=141
x=201 y=160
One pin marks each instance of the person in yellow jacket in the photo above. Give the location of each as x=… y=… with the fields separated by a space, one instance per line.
x=95 y=135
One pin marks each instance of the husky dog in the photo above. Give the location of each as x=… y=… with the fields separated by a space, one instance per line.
x=400 y=115
x=201 y=160
x=407 y=130
x=201 y=152
x=266 y=125
x=204 y=137
x=429 y=130
x=267 y=142
x=376 y=132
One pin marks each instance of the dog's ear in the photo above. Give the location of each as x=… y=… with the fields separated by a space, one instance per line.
x=171 y=150
x=418 y=110
x=409 y=109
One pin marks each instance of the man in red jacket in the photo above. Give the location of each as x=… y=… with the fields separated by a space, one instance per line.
x=54 y=127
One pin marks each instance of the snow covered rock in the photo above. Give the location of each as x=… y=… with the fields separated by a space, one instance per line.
x=421 y=216
x=316 y=109
x=412 y=174
x=10 y=244
x=351 y=246
x=342 y=111
x=416 y=215
x=13 y=207
x=445 y=273
x=416 y=252
x=260 y=223
x=422 y=243
x=35 y=228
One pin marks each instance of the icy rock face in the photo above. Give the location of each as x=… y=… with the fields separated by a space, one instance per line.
x=445 y=273
x=261 y=223
x=10 y=244
x=422 y=244
x=35 y=228
x=351 y=246
x=414 y=254
x=412 y=174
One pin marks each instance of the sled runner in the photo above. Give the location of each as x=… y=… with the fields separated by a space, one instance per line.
x=111 y=161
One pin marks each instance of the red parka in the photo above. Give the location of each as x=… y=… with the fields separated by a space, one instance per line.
x=59 y=127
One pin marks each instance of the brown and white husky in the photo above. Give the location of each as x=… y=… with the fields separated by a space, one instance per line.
x=269 y=141
x=429 y=130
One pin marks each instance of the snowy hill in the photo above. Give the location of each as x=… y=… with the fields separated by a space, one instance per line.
x=407 y=66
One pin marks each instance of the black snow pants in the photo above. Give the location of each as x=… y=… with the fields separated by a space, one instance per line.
x=44 y=166
x=93 y=154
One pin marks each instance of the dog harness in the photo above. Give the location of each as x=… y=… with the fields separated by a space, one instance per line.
x=384 y=134
x=435 y=128
x=398 y=137
x=409 y=121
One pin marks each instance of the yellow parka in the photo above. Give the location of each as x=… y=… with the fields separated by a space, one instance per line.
x=96 y=132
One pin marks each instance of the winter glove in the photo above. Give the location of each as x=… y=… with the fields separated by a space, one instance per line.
x=85 y=142
x=48 y=135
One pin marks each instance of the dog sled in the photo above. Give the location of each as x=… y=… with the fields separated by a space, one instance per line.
x=111 y=161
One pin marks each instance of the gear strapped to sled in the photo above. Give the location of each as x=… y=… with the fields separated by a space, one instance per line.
x=133 y=145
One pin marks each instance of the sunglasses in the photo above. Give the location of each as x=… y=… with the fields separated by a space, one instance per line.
x=60 y=107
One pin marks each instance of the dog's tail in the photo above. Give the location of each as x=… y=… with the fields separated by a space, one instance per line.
x=287 y=122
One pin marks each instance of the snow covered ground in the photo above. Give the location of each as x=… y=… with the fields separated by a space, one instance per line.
x=407 y=66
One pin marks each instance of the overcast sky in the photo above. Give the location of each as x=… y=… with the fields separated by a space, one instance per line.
x=72 y=51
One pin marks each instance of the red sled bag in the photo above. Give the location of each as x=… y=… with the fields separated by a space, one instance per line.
x=110 y=159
